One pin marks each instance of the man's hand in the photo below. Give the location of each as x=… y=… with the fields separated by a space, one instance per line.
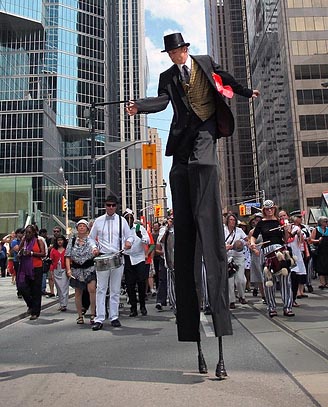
x=127 y=245
x=131 y=108
x=255 y=94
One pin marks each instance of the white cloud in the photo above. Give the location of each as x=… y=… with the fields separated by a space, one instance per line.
x=185 y=16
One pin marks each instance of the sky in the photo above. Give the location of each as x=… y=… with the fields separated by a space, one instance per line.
x=162 y=18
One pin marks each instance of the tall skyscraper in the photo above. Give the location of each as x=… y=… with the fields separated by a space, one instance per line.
x=228 y=44
x=288 y=47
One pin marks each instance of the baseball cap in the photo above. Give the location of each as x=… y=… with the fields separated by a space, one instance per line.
x=83 y=222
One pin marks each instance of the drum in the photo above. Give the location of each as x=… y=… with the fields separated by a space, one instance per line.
x=238 y=246
x=274 y=258
x=108 y=261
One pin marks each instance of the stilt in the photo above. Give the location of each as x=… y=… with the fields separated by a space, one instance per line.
x=202 y=368
x=220 y=371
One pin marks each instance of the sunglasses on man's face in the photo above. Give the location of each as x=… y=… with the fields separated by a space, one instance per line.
x=113 y=205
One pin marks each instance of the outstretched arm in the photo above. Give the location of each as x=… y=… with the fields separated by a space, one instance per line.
x=131 y=108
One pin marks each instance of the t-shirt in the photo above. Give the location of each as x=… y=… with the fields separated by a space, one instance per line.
x=264 y=228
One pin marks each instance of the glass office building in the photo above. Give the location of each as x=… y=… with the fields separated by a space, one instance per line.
x=58 y=57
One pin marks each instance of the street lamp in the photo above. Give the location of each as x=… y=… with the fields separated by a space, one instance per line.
x=61 y=171
x=91 y=114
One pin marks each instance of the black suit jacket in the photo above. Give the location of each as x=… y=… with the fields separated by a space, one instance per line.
x=170 y=90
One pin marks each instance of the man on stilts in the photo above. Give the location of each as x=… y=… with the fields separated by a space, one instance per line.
x=194 y=85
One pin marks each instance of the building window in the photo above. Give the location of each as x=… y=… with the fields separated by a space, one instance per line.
x=314 y=202
x=314 y=122
x=315 y=148
x=312 y=47
x=312 y=96
x=308 y=23
x=316 y=175
x=306 y=3
x=319 y=71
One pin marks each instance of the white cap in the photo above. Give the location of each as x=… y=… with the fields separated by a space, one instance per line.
x=83 y=222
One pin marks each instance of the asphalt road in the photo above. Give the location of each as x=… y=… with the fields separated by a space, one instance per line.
x=54 y=361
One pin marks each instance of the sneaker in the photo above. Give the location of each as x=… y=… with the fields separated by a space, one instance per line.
x=159 y=307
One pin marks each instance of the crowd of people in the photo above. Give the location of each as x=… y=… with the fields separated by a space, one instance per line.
x=273 y=251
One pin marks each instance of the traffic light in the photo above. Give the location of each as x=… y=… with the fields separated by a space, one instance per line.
x=149 y=161
x=64 y=204
x=157 y=211
x=79 y=208
x=242 y=210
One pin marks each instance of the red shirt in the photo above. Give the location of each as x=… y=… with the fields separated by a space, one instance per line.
x=55 y=256
x=37 y=261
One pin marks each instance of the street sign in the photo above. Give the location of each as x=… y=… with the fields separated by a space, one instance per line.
x=250 y=205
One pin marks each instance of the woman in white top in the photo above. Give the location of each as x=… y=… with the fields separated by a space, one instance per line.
x=235 y=240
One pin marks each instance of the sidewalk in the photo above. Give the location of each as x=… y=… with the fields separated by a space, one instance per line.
x=12 y=308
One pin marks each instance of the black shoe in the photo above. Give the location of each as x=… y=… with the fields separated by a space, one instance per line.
x=133 y=313
x=143 y=311
x=116 y=323
x=50 y=295
x=97 y=326
x=33 y=317
x=310 y=288
x=159 y=307
x=255 y=292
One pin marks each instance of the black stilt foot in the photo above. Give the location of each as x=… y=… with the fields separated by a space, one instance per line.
x=220 y=371
x=202 y=367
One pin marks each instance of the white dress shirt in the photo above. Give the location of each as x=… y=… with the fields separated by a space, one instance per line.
x=106 y=233
x=187 y=63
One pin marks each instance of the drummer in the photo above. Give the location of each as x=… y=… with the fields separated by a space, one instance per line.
x=112 y=234
x=275 y=236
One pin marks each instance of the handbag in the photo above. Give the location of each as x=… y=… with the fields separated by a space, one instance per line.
x=46 y=263
x=232 y=267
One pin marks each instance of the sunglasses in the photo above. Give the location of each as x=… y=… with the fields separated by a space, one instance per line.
x=113 y=205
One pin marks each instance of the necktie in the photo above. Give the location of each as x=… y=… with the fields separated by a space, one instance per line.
x=185 y=74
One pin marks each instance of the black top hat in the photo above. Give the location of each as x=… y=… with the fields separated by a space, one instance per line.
x=173 y=41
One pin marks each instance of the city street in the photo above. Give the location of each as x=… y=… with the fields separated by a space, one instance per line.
x=52 y=360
